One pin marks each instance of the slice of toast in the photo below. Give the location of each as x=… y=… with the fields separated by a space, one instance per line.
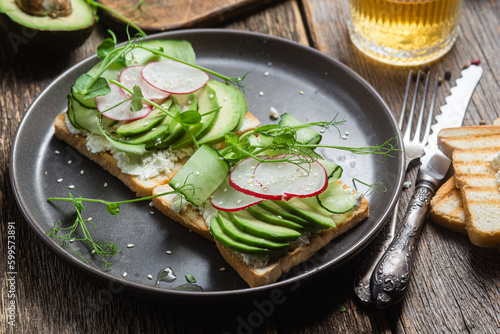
x=476 y=186
x=447 y=208
x=142 y=187
x=258 y=276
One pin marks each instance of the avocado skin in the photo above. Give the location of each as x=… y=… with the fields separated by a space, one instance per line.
x=45 y=42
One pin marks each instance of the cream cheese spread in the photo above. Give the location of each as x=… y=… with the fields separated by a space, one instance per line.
x=494 y=161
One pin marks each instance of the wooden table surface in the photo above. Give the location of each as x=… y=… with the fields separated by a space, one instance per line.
x=455 y=288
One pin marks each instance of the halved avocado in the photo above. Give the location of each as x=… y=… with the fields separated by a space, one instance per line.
x=48 y=30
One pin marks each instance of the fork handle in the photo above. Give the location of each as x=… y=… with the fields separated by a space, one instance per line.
x=393 y=272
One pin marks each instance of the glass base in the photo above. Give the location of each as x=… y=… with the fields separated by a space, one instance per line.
x=401 y=57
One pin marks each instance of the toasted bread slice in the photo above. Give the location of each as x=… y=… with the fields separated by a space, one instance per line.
x=257 y=276
x=480 y=194
x=468 y=137
x=447 y=209
x=482 y=207
x=142 y=187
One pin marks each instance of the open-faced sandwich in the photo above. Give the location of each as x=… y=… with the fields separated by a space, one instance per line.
x=164 y=127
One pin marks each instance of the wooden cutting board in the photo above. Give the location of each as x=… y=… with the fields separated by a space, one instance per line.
x=160 y=15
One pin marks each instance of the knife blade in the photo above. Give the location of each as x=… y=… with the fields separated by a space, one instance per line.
x=434 y=163
x=392 y=274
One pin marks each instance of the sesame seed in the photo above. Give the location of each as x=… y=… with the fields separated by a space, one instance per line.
x=150 y=276
x=347 y=133
x=266 y=74
x=238 y=201
x=150 y=204
x=89 y=219
x=130 y=245
x=168 y=252
x=71 y=186
x=261 y=93
x=222 y=269
x=46 y=172
x=152 y=212
x=344 y=137
x=69 y=162
x=197 y=172
x=301 y=92
x=71 y=240
x=225 y=189
x=82 y=172
x=59 y=180
x=92 y=252
x=105 y=184
x=124 y=275
x=57 y=152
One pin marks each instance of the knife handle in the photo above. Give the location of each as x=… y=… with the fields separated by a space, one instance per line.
x=393 y=272
x=378 y=248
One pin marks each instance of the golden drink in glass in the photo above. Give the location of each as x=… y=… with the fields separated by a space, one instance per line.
x=404 y=32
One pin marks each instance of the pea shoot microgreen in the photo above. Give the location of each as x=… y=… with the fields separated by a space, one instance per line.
x=79 y=231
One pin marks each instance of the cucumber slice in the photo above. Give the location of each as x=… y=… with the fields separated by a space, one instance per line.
x=71 y=114
x=333 y=171
x=247 y=223
x=232 y=110
x=201 y=175
x=303 y=135
x=235 y=245
x=234 y=232
x=270 y=218
x=86 y=118
x=336 y=199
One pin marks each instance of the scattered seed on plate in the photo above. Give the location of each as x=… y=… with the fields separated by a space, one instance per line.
x=261 y=93
x=90 y=218
x=347 y=133
x=57 y=152
x=82 y=172
x=46 y=172
x=222 y=269
x=130 y=246
x=266 y=74
x=301 y=92
x=124 y=275
x=168 y=252
x=105 y=184
x=273 y=113
x=152 y=212
x=150 y=276
x=344 y=137
x=92 y=252
x=150 y=204
x=71 y=240
x=70 y=162
x=59 y=180
x=71 y=186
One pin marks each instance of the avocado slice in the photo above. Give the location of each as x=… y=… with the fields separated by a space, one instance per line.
x=234 y=232
x=301 y=209
x=266 y=216
x=53 y=32
x=247 y=223
x=144 y=124
x=274 y=208
x=235 y=245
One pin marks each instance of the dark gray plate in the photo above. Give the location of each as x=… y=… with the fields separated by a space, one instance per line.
x=281 y=74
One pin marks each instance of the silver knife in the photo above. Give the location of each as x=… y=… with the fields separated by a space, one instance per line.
x=392 y=274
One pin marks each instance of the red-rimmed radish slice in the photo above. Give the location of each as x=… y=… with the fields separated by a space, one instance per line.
x=174 y=77
x=277 y=180
x=122 y=111
x=131 y=76
x=226 y=198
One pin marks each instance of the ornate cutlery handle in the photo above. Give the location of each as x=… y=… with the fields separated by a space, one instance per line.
x=378 y=248
x=393 y=272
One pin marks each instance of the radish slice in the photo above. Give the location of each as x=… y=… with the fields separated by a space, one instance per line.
x=121 y=112
x=174 y=77
x=226 y=198
x=131 y=76
x=279 y=180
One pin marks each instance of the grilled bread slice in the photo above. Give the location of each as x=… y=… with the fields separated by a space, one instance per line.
x=476 y=186
x=191 y=218
x=447 y=208
x=141 y=186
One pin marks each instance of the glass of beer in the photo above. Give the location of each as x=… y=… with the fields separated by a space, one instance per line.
x=404 y=32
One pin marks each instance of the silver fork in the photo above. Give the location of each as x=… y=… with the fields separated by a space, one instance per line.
x=413 y=149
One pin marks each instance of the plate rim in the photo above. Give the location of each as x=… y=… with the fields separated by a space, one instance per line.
x=205 y=296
